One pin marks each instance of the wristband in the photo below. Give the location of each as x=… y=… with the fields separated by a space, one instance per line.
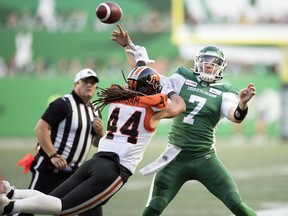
x=240 y=114
x=53 y=155
x=129 y=43
x=171 y=93
x=140 y=63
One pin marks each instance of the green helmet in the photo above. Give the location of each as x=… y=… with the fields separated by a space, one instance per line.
x=210 y=63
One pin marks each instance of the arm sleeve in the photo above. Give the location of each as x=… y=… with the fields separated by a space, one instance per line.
x=158 y=102
x=177 y=82
x=57 y=111
x=229 y=100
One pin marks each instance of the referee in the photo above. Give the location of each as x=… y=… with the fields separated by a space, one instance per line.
x=65 y=133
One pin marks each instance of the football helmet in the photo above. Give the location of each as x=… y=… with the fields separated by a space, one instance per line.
x=145 y=80
x=210 y=63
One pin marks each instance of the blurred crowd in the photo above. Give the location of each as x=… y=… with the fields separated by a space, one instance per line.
x=48 y=18
x=237 y=11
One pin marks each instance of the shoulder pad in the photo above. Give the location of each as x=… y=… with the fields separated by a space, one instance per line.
x=225 y=88
x=185 y=72
x=230 y=88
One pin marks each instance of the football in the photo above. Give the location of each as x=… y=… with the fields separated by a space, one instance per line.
x=109 y=12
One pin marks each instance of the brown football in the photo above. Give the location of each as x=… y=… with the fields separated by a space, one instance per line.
x=109 y=12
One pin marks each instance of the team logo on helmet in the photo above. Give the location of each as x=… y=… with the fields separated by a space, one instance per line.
x=145 y=80
x=154 y=81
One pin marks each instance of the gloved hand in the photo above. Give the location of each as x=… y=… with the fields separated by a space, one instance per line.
x=140 y=54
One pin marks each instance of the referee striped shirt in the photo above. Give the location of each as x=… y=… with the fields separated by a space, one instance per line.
x=71 y=128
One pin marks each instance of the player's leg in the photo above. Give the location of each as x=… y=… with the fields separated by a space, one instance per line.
x=39 y=204
x=98 y=180
x=4 y=201
x=32 y=202
x=165 y=185
x=45 y=178
x=243 y=209
x=73 y=183
x=13 y=193
x=96 y=211
x=76 y=190
x=217 y=179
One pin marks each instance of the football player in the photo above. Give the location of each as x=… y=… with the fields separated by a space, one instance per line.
x=193 y=131
x=134 y=113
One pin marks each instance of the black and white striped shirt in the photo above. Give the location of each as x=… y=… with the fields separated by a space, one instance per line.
x=71 y=128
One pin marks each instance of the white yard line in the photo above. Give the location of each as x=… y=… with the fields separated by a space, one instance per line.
x=274 y=211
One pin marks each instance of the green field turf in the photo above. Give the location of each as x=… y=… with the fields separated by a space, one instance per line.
x=260 y=171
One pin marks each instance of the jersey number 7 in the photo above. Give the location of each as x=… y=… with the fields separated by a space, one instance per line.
x=189 y=119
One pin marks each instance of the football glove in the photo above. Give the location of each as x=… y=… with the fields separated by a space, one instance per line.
x=140 y=54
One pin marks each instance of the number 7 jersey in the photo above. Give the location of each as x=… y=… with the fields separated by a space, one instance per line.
x=129 y=131
x=206 y=105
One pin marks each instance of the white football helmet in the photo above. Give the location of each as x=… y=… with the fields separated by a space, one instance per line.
x=210 y=64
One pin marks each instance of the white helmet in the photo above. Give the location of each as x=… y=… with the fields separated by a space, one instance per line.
x=210 y=64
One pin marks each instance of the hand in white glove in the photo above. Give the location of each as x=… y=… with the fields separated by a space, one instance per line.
x=140 y=54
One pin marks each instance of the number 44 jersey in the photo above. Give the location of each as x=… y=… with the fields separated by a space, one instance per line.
x=129 y=131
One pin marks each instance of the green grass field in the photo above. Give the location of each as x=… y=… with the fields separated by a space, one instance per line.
x=260 y=171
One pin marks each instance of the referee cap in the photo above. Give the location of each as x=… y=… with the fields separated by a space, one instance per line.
x=85 y=73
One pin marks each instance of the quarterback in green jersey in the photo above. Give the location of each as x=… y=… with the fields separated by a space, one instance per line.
x=190 y=153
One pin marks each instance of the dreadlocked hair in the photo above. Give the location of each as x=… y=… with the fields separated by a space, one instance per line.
x=114 y=93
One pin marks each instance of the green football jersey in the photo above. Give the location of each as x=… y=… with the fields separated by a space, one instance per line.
x=194 y=129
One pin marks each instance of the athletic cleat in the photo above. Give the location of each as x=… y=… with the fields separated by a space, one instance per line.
x=4 y=201
x=5 y=187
